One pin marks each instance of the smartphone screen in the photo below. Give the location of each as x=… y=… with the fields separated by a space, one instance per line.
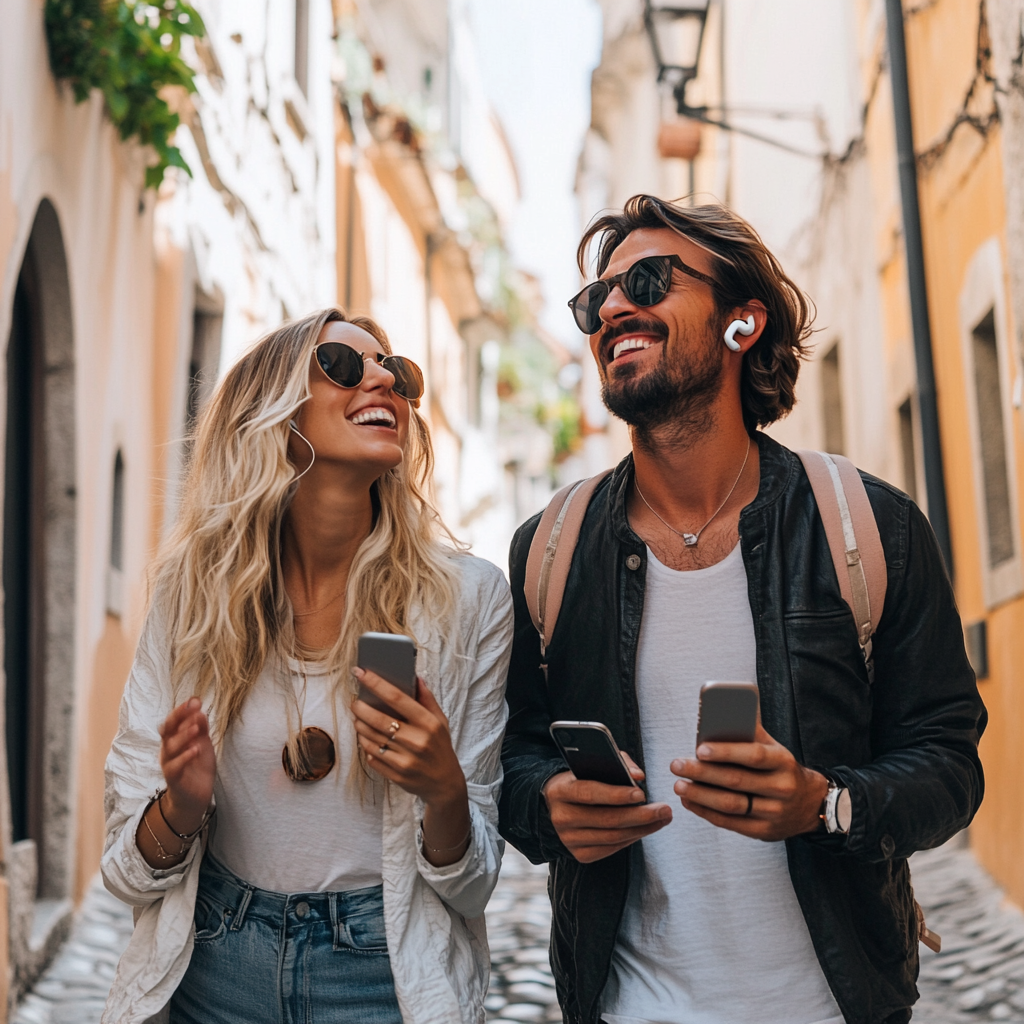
x=591 y=753
x=728 y=713
x=393 y=657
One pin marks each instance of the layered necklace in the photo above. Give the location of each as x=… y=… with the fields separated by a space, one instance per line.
x=690 y=539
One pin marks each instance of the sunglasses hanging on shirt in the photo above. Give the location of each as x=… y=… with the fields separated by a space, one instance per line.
x=316 y=756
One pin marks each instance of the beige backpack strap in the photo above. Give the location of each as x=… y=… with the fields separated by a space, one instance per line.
x=860 y=566
x=551 y=551
x=852 y=538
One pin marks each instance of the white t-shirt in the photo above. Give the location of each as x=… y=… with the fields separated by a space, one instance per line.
x=290 y=836
x=712 y=932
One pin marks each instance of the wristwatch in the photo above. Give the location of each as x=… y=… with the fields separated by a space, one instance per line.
x=836 y=809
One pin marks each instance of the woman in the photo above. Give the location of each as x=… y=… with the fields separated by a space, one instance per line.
x=293 y=853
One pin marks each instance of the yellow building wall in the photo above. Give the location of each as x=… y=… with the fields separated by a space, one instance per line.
x=962 y=207
x=112 y=660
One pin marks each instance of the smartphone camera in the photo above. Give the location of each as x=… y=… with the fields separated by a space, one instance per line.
x=566 y=738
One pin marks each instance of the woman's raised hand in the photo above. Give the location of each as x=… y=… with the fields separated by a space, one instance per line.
x=189 y=764
x=414 y=750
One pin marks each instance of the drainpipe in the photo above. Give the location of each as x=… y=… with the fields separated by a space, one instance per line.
x=928 y=410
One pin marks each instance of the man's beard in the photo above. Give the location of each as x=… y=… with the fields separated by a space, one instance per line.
x=670 y=401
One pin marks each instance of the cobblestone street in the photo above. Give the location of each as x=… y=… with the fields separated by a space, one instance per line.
x=979 y=976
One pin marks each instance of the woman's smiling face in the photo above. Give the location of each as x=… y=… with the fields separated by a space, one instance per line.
x=365 y=426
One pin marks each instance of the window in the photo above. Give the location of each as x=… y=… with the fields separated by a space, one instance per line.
x=302 y=45
x=204 y=359
x=908 y=448
x=985 y=348
x=992 y=441
x=115 y=564
x=832 y=402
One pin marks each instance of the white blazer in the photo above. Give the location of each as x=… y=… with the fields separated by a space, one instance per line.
x=433 y=916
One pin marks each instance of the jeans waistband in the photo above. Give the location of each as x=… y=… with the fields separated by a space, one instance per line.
x=242 y=901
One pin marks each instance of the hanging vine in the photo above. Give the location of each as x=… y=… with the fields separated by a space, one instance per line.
x=130 y=51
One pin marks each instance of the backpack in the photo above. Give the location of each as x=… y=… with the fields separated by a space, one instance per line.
x=850 y=528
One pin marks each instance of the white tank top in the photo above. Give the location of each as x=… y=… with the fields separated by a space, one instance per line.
x=712 y=932
x=290 y=836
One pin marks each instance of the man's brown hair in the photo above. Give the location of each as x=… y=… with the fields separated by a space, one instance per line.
x=743 y=269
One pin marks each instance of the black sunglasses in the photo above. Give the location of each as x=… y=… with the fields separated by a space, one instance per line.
x=344 y=367
x=646 y=283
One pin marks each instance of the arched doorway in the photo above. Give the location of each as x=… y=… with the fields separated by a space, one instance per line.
x=39 y=589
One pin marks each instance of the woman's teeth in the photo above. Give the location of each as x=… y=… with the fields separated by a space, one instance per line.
x=628 y=345
x=381 y=416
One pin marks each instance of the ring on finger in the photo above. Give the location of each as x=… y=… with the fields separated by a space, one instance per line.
x=394 y=730
x=383 y=747
x=750 y=805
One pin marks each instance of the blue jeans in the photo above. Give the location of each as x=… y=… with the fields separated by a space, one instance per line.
x=268 y=958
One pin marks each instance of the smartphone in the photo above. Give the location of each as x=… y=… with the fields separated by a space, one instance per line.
x=727 y=713
x=591 y=753
x=393 y=657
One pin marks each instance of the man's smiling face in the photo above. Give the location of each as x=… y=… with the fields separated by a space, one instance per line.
x=661 y=364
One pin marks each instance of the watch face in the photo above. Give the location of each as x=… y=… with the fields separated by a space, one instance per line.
x=844 y=810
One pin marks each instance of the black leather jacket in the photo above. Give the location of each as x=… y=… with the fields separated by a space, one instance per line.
x=906 y=745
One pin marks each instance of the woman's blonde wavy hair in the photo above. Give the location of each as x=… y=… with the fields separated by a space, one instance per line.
x=219 y=575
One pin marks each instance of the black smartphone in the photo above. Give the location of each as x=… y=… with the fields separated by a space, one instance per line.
x=590 y=752
x=393 y=657
x=727 y=713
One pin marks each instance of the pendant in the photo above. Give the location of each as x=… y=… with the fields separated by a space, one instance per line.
x=690 y=540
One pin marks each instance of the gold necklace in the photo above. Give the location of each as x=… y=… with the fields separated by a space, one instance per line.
x=690 y=539
x=302 y=615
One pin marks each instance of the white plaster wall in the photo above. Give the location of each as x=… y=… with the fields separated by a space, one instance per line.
x=256 y=219
x=800 y=56
x=265 y=236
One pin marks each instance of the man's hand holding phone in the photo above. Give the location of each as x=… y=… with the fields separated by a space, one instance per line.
x=757 y=789
x=595 y=819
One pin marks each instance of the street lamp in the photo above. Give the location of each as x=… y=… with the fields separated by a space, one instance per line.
x=676 y=29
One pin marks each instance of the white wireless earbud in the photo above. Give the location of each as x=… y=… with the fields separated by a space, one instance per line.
x=312 y=454
x=744 y=327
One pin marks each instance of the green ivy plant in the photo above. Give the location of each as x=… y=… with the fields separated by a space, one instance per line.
x=129 y=51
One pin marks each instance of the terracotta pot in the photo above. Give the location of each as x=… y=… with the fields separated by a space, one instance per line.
x=679 y=139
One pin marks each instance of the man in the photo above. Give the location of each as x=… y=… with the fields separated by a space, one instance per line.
x=725 y=898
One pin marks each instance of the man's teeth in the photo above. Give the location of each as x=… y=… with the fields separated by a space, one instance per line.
x=374 y=416
x=628 y=345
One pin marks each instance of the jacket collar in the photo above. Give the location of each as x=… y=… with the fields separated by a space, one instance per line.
x=777 y=467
